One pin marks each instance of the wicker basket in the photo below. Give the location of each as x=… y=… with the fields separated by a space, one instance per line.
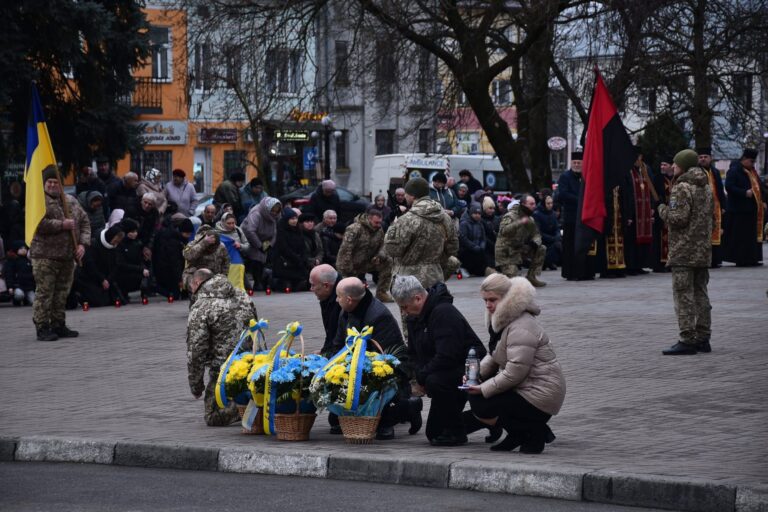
x=258 y=423
x=359 y=429
x=294 y=427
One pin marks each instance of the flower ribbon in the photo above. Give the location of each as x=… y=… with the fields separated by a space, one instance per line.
x=270 y=393
x=254 y=329
x=356 y=345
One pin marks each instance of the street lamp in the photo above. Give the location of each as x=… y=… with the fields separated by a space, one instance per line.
x=327 y=123
x=765 y=152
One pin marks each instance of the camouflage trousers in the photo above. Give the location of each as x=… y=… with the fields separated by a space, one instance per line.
x=511 y=267
x=689 y=291
x=53 y=279
x=383 y=267
x=214 y=416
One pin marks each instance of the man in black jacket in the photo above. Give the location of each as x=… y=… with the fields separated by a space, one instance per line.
x=439 y=339
x=359 y=308
x=322 y=281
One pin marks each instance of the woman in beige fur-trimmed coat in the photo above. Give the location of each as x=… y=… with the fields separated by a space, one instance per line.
x=522 y=385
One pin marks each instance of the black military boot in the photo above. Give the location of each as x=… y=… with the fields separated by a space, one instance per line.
x=415 y=405
x=62 y=331
x=680 y=349
x=703 y=346
x=45 y=333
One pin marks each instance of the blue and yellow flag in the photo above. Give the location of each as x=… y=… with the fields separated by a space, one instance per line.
x=39 y=156
x=236 y=274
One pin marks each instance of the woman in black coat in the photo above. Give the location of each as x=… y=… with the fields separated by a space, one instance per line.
x=96 y=280
x=132 y=273
x=168 y=258
x=549 y=228
x=289 y=264
x=472 y=241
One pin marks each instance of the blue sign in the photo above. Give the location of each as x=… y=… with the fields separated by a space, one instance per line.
x=310 y=158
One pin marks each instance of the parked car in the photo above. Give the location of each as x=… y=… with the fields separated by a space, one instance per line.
x=351 y=203
x=203 y=200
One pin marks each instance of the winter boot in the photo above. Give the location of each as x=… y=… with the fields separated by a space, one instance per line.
x=45 y=333
x=512 y=441
x=472 y=424
x=532 y=279
x=62 y=331
x=415 y=405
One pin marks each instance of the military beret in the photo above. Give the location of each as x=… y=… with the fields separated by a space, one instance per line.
x=686 y=159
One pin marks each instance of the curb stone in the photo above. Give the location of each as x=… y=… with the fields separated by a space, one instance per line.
x=656 y=491
x=521 y=479
x=653 y=491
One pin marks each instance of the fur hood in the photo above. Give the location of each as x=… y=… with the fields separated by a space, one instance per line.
x=519 y=298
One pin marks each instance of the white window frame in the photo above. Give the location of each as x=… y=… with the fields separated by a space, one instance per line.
x=168 y=57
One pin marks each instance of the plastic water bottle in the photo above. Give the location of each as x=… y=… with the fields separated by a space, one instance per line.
x=472 y=368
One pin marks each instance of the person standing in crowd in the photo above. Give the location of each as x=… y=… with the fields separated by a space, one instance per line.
x=228 y=192
x=215 y=322
x=549 y=228
x=289 y=256
x=208 y=217
x=324 y=198
x=718 y=203
x=472 y=241
x=168 y=257
x=122 y=196
x=205 y=251
x=462 y=194
x=380 y=203
x=522 y=384
x=251 y=194
x=152 y=182
x=640 y=197
x=422 y=238
x=359 y=308
x=663 y=184
x=181 y=192
x=260 y=229
x=53 y=258
x=93 y=204
x=88 y=181
x=149 y=219
x=443 y=195
x=689 y=217
x=491 y=222
x=519 y=239
x=568 y=187
x=311 y=240
x=19 y=276
x=746 y=212
x=362 y=250
x=96 y=281
x=439 y=339
x=108 y=178
x=331 y=236
x=465 y=176
x=398 y=205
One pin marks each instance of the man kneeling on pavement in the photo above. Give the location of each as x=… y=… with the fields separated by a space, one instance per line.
x=216 y=319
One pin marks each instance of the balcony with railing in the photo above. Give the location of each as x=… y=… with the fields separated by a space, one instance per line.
x=147 y=96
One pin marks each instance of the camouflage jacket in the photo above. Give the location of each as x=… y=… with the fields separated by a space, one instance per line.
x=689 y=218
x=215 y=322
x=198 y=255
x=50 y=240
x=360 y=245
x=514 y=234
x=420 y=240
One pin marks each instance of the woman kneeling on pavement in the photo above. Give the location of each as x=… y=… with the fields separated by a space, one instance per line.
x=522 y=385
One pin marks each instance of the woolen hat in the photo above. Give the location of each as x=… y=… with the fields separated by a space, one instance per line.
x=440 y=177
x=180 y=173
x=289 y=213
x=305 y=217
x=128 y=225
x=686 y=159
x=474 y=208
x=112 y=232
x=49 y=173
x=417 y=187
x=488 y=202
x=749 y=153
x=237 y=176
x=185 y=226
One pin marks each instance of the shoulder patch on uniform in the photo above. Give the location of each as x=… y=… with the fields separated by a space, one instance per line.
x=672 y=204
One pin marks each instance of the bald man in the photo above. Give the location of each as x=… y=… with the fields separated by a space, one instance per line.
x=322 y=282
x=359 y=308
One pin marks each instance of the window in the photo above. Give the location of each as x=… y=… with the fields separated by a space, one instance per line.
x=425 y=76
x=233 y=62
x=160 y=46
x=468 y=143
x=341 y=150
x=342 y=66
x=502 y=92
x=234 y=161
x=284 y=71
x=385 y=63
x=742 y=92
x=647 y=99
x=160 y=160
x=203 y=69
x=425 y=140
x=385 y=142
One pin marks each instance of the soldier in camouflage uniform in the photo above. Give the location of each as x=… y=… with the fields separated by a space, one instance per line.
x=216 y=319
x=520 y=238
x=362 y=250
x=689 y=217
x=423 y=239
x=53 y=258
x=205 y=251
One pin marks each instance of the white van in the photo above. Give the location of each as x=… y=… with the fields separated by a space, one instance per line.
x=389 y=171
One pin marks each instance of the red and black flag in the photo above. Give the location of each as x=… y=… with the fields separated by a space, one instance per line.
x=608 y=157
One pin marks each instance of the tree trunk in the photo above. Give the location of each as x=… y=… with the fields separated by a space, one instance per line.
x=701 y=114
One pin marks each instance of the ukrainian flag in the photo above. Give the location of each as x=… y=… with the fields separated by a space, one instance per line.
x=236 y=274
x=39 y=156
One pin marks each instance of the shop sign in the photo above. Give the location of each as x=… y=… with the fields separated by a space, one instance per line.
x=291 y=135
x=163 y=133
x=301 y=116
x=217 y=135
x=557 y=143
x=422 y=162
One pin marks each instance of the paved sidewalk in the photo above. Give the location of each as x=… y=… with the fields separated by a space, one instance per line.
x=628 y=410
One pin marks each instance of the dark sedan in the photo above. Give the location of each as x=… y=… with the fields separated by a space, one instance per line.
x=351 y=203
